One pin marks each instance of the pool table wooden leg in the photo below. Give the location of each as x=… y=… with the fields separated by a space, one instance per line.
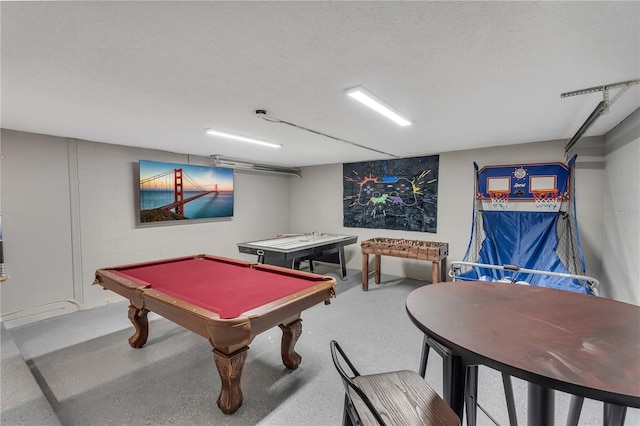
x=290 y=334
x=138 y=317
x=230 y=370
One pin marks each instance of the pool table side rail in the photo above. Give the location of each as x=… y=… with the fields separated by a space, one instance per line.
x=121 y=285
x=125 y=267
x=290 y=272
x=323 y=291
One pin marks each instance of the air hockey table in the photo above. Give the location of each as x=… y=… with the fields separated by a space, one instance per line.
x=290 y=249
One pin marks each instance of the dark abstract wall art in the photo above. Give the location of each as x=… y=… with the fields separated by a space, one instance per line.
x=399 y=194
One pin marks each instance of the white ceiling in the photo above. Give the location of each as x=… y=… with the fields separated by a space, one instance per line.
x=469 y=74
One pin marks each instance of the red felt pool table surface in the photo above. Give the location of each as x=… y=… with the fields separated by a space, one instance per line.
x=228 y=288
x=225 y=300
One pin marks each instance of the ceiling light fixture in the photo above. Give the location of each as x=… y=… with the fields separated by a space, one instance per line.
x=214 y=132
x=360 y=94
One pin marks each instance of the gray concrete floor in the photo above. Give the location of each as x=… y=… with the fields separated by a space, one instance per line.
x=78 y=369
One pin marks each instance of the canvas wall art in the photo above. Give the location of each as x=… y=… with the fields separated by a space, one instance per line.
x=175 y=192
x=400 y=194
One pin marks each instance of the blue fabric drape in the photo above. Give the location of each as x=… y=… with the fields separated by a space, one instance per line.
x=527 y=240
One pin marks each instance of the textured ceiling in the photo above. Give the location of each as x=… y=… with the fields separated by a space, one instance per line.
x=469 y=74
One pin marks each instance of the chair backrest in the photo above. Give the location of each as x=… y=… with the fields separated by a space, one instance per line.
x=336 y=354
x=400 y=397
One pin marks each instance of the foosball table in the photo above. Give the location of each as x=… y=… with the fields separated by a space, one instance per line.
x=432 y=251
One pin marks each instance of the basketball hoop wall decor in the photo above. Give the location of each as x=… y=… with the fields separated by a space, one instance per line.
x=499 y=198
x=523 y=187
x=545 y=198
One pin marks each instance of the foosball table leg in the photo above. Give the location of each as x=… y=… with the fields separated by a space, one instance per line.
x=365 y=271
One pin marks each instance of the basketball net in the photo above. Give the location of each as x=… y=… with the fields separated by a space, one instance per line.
x=546 y=198
x=499 y=198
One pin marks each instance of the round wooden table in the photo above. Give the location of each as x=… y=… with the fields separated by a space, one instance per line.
x=579 y=344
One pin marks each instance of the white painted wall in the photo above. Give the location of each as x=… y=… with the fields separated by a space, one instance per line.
x=621 y=211
x=316 y=203
x=36 y=223
x=69 y=209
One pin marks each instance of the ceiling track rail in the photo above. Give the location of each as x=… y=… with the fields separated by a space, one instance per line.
x=261 y=113
x=601 y=108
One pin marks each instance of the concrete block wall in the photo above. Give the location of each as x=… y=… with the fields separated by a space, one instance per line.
x=70 y=208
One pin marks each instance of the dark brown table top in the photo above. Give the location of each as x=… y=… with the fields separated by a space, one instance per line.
x=580 y=344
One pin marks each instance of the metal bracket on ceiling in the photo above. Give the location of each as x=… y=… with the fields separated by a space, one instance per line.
x=601 y=108
x=624 y=85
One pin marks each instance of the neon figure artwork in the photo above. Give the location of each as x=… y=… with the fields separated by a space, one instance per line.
x=393 y=194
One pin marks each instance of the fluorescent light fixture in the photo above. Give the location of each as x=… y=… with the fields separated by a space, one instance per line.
x=214 y=132
x=360 y=94
x=234 y=163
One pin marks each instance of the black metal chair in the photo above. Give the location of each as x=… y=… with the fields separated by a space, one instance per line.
x=471 y=384
x=393 y=398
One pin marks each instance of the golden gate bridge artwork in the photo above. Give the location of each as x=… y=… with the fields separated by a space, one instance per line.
x=171 y=191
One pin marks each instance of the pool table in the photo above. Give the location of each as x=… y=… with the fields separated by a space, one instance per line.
x=227 y=301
